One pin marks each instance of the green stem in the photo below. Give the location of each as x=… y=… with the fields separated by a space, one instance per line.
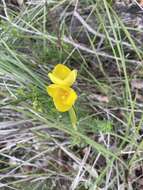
x=73 y=118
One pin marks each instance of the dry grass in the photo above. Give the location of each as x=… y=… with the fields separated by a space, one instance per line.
x=38 y=147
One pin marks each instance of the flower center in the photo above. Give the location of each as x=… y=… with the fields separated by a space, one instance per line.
x=64 y=95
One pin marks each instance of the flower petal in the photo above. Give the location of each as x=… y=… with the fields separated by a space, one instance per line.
x=61 y=71
x=72 y=97
x=55 y=79
x=71 y=78
x=60 y=106
x=63 y=106
x=67 y=81
x=52 y=90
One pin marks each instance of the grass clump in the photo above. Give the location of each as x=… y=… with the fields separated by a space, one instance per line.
x=39 y=149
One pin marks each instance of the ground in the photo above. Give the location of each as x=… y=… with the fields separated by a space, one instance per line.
x=39 y=148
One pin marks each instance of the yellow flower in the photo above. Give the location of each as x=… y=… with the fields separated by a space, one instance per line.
x=62 y=75
x=63 y=96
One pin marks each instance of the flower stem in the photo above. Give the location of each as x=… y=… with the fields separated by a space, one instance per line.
x=73 y=118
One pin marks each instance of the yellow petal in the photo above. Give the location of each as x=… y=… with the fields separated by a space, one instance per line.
x=55 y=79
x=52 y=90
x=67 y=81
x=64 y=97
x=72 y=97
x=61 y=71
x=70 y=78
x=62 y=75
x=61 y=107
x=66 y=104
